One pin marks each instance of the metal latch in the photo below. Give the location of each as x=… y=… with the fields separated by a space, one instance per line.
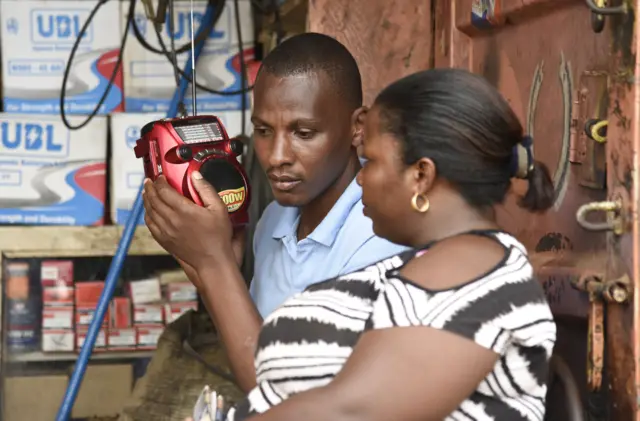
x=616 y=291
x=600 y=9
x=600 y=291
x=612 y=209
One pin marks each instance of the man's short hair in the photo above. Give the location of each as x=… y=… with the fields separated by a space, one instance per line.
x=312 y=52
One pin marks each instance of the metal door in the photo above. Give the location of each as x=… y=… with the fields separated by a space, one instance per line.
x=389 y=38
x=554 y=62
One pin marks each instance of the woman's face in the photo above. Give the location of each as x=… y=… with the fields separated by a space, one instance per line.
x=387 y=186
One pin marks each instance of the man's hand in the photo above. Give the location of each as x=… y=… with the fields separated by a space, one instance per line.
x=195 y=235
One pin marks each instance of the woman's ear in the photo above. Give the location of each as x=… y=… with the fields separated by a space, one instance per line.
x=423 y=174
x=357 y=127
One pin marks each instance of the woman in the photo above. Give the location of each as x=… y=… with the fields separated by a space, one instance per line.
x=455 y=329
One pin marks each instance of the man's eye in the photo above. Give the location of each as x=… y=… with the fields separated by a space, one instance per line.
x=260 y=131
x=305 y=134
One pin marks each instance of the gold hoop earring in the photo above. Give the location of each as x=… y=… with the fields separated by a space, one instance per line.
x=425 y=205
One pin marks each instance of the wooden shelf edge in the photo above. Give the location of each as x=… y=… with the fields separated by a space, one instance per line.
x=49 y=241
x=71 y=356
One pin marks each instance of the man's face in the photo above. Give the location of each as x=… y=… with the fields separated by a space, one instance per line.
x=302 y=134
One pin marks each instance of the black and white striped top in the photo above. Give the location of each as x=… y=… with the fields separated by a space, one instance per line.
x=306 y=341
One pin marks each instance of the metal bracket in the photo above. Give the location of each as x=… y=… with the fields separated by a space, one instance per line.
x=616 y=291
x=613 y=210
x=588 y=129
x=601 y=292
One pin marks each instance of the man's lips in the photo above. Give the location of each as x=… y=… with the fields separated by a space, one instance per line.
x=284 y=183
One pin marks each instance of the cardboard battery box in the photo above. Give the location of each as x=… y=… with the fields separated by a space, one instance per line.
x=88 y=293
x=101 y=339
x=181 y=291
x=121 y=339
x=145 y=291
x=145 y=314
x=50 y=175
x=58 y=340
x=57 y=318
x=23 y=338
x=60 y=296
x=149 y=80
x=127 y=172
x=21 y=308
x=120 y=313
x=172 y=311
x=84 y=316
x=55 y=273
x=147 y=336
x=37 y=37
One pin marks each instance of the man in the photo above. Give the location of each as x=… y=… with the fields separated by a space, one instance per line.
x=308 y=121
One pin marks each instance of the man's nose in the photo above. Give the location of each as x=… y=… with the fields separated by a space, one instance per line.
x=281 y=153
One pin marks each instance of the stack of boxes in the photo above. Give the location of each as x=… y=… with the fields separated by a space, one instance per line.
x=58 y=327
x=50 y=175
x=148 y=316
x=153 y=307
x=180 y=297
x=86 y=300
x=122 y=334
x=134 y=322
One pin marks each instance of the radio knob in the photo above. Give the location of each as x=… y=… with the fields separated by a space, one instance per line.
x=237 y=147
x=185 y=153
x=200 y=156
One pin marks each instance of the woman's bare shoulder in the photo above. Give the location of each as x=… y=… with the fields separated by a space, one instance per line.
x=455 y=261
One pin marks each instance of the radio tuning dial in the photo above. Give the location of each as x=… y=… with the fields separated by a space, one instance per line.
x=185 y=153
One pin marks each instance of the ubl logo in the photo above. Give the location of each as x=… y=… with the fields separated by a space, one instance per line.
x=58 y=26
x=31 y=139
x=182 y=26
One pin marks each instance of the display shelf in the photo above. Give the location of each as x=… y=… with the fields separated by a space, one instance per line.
x=67 y=242
x=71 y=356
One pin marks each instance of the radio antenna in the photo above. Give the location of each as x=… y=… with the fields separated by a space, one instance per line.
x=193 y=66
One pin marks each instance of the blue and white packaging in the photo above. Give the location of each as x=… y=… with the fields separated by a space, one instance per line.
x=127 y=172
x=149 y=78
x=37 y=37
x=50 y=175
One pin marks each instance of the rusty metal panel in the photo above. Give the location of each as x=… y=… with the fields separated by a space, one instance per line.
x=389 y=38
x=558 y=74
x=623 y=184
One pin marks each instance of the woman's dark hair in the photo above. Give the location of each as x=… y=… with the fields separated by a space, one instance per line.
x=458 y=120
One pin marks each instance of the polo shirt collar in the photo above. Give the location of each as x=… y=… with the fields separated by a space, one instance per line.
x=328 y=230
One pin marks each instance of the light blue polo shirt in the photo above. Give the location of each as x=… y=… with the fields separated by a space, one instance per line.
x=343 y=242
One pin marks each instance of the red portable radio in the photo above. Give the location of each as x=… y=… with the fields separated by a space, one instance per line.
x=177 y=147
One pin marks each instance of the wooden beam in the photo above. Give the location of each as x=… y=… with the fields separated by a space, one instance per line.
x=48 y=241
